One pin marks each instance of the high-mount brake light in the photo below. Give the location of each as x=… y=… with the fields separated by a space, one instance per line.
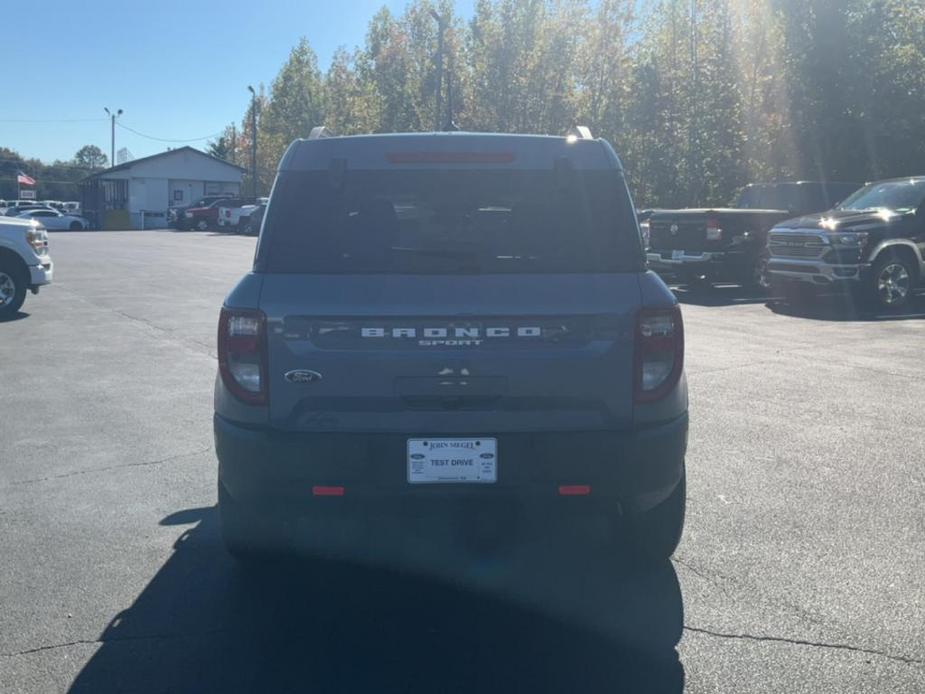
x=450 y=157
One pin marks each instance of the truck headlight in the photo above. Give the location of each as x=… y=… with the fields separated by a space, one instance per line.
x=188 y=215
x=853 y=240
x=37 y=237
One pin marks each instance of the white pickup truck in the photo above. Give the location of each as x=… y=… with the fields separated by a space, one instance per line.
x=24 y=262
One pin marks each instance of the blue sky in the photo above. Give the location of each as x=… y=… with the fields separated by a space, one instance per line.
x=178 y=68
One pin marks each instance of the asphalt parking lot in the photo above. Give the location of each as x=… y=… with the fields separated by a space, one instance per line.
x=801 y=569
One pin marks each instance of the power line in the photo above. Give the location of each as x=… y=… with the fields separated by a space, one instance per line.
x=52 y=120
x=164 y=139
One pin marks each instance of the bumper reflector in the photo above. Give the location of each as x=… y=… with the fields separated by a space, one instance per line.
x=574 y=489
x=327 y=491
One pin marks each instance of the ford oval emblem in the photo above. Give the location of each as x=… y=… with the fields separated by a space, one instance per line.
x=302 y=376
x=674 y=229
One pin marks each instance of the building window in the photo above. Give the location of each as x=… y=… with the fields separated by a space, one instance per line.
x=178 y=196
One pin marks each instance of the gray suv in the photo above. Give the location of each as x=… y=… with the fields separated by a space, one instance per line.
x=448 y=341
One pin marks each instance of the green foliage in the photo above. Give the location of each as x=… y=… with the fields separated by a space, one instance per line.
x=220 y=148
x=90 y=157
x=56 y=181
x=699 y=97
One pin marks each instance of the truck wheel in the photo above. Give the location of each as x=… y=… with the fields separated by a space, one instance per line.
x=891 y=281
x=656 y=533
x=758 y=277
x=13 y=285
x=76 y=226
x=202 y=225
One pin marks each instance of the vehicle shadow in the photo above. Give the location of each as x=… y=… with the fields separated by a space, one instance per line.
x=204 y=625
x=19 y=315
x=843 y=307
x=718 y=295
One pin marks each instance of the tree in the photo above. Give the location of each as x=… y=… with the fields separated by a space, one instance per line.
x=295 y=106
x=220 y=148
x=90 y=157
x=350 y=102
x=699 y=97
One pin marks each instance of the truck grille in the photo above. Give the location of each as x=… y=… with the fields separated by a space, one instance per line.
x=796 y=246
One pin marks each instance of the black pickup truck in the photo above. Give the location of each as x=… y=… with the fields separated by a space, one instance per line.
x=729 y=244
x=873 y=242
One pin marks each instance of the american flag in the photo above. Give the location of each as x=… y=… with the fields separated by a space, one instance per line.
x=24 y=180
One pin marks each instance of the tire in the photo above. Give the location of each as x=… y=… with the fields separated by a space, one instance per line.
x=757 y=277
x=13 y=285
x=656 y=533
x=76 y=226
x=891 y=281
x=202 y=225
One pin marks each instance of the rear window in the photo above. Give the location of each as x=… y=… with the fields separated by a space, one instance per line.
x=441 y=221
x=802 y=197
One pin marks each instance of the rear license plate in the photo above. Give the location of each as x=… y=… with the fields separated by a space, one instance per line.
x=677 y=255
x=452 y=460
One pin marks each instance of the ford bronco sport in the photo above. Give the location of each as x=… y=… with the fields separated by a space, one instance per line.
x=447 y=335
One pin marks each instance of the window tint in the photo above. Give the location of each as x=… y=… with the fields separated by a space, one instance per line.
x=891 y=195
x=446 y=222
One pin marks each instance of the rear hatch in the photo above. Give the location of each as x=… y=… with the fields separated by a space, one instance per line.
x=450 y=294
x=682 y=230
x=705 y=230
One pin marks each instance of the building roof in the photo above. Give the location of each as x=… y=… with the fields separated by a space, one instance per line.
x=186 y=148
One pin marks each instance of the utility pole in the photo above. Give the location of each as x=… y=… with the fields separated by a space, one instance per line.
x=694 y=133
x=112 y=150
x=441 y=28
x=253 y=141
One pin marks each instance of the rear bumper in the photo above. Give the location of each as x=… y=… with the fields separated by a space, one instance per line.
x=697 y=263
x=42 y=274
x=816 y=271
x=270 y=475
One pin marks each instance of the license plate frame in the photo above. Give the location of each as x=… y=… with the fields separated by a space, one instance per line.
x=677 y=255
x=452 y=460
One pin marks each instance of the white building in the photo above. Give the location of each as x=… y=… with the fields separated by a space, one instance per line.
x=138 y=193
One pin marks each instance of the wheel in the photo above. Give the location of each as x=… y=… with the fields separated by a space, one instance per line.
x=76 y=226
x=656 y=533
x=891 y=281
x=202 y=225
x=13 y=286
x=757 y=277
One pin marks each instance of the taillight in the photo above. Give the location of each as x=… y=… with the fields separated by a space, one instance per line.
x=659 y=353
x=714 y=230
x=242 y=354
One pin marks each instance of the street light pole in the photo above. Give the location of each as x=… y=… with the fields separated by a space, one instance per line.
x=253 y=141
x=441 y=27
x=112 y=150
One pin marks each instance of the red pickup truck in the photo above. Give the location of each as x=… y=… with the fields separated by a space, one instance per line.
x=206 y=217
